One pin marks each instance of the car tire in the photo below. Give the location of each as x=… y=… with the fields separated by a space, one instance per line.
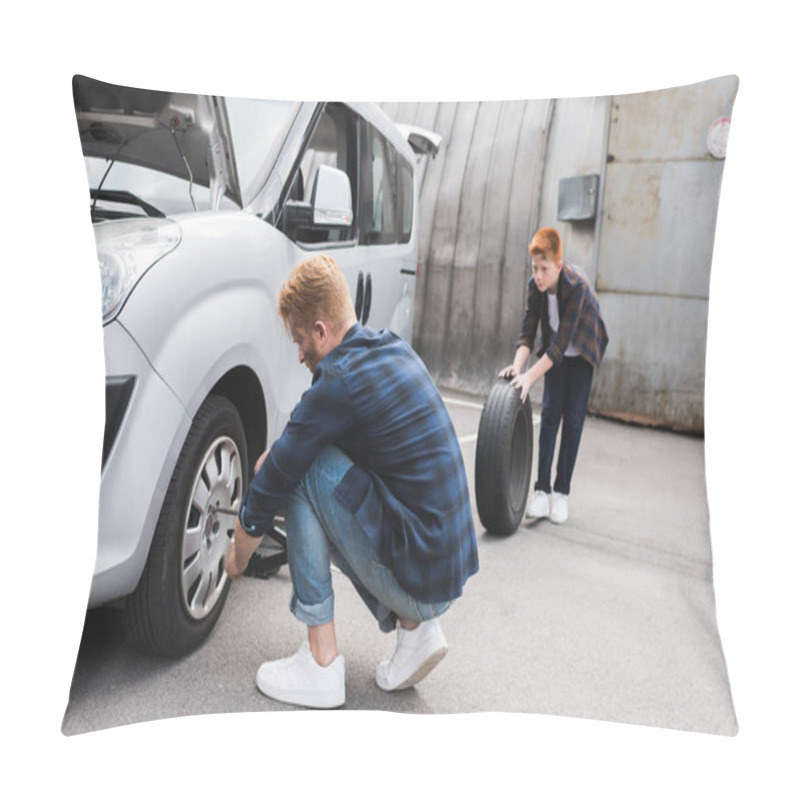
x=184 y=584
x=503 y=459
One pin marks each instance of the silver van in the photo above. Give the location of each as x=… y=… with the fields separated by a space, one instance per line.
x=201 y=206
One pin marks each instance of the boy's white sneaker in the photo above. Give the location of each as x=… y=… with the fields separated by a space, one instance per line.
x=417 y=652
x=560 y=510
x=538 y=506
x=299 y=680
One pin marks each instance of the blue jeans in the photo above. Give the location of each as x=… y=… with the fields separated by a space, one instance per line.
x=321 y=531
x=564 y=402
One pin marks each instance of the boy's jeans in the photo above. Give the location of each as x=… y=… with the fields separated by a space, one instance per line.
x=320 y=530
x=566 y=395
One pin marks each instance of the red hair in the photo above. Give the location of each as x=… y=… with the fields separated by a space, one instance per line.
x=316 y=289
x=546 y=242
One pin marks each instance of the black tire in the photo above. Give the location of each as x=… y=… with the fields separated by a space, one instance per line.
x=503 y=459
x=184 y=585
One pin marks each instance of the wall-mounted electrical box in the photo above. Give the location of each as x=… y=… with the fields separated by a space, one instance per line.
x=577 y=198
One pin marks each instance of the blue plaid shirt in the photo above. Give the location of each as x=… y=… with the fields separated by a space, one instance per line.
x=373 y=398
x=580 y=323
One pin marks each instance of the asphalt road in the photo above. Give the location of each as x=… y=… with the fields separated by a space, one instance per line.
x=610 y=616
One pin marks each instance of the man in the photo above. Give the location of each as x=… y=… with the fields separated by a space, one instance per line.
x=372 y=479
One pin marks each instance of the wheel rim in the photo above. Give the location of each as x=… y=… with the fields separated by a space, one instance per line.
x=208 y=527
x=520 y=458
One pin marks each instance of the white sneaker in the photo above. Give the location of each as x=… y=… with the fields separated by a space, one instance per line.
x=538 y=505
x=560 y=511
x=301 y=681
x=417 y=652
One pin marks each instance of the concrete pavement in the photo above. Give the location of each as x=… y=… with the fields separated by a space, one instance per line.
x=610 y=616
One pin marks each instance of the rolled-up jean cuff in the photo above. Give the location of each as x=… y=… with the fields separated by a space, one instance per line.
x=318 y=614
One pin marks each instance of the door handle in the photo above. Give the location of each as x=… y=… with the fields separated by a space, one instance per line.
x=359 y=294
x=367 y=299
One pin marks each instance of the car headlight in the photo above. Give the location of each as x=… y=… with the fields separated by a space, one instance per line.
x=126 y=249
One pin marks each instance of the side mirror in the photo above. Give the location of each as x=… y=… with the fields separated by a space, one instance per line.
x=331 y=198
x=330 y=209
x=423 y=142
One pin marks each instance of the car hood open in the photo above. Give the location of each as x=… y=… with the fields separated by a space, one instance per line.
x=185 y=135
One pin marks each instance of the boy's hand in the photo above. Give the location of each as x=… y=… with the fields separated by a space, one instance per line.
x=523 y=383
x=508 y=372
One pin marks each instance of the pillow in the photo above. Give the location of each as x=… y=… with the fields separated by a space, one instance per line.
x=610 y=616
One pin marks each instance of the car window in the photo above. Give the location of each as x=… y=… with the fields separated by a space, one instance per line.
x=332 y=143
x=379 y=191
x=406 y=174
x=387 y=191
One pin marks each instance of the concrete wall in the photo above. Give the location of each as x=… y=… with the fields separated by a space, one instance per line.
x=648 y=249
x=477 y=201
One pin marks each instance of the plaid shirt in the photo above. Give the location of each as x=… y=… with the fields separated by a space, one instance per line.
x=373 y=398
x=580 y=322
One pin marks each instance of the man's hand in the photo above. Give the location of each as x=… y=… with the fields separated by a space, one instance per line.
x=243 y=545
x=232 y=566
x=241 y=548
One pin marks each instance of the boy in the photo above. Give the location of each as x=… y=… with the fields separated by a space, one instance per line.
x=574 y=339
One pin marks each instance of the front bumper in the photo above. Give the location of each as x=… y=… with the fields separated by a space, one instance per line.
x=145 y=428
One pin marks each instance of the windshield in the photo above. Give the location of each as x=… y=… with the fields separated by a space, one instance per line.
x=257 y=128
x=156 y=191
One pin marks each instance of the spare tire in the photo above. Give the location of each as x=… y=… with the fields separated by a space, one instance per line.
x=503 y=459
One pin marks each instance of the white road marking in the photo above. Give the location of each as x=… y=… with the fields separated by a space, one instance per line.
x=465 y=403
